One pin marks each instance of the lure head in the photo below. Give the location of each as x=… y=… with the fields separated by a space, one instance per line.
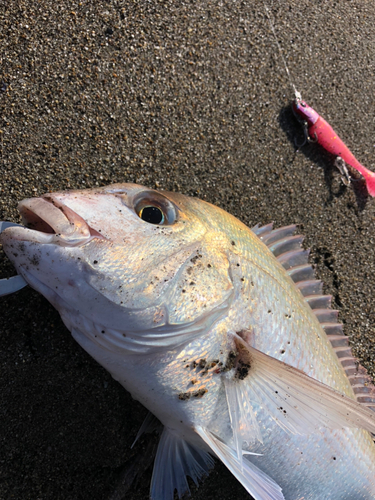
x=303 y=112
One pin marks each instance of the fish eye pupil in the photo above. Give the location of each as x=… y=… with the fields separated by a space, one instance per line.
x=153 y=215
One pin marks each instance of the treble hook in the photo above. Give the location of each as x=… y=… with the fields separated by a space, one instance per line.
x=342 y=168
x=305 y=137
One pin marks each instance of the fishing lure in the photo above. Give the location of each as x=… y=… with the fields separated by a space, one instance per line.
x=316 y=129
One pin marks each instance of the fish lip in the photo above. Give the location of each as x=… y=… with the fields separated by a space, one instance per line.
x=48 y=220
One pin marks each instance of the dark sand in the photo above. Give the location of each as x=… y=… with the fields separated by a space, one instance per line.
x=187 y=96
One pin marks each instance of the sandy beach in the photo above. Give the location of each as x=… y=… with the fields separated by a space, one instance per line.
x=180 y=96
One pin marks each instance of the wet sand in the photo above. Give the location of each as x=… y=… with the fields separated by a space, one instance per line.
x=182 y=96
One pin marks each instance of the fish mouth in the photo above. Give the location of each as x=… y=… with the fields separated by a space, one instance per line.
x=47 y=220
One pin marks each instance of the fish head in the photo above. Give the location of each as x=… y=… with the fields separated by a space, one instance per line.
x=132 y=268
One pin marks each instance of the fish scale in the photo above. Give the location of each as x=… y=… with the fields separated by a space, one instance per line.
x=286 y=455
x=300 y=454
x=222 y=332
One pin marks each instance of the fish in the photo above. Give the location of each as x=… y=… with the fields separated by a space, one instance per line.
x=221 y=331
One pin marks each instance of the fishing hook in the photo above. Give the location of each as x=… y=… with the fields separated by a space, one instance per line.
x=342 y=168
x=307 y=137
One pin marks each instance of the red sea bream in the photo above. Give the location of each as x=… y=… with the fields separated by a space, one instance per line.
x=222 y=332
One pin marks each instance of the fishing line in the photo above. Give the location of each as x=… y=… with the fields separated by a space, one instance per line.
x=296 y=93
x=316 y=129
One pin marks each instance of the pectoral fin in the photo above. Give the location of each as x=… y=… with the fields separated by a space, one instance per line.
x=297 y=402
x=256 y=482
x=242 y=418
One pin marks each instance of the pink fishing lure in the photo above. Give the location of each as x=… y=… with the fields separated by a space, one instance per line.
x=318 y=130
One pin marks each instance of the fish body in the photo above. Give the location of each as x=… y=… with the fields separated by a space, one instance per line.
x=204 y=322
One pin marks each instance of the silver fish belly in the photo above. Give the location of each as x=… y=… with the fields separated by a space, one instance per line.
x=222 y=332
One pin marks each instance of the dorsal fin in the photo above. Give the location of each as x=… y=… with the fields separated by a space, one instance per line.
x=287 y=248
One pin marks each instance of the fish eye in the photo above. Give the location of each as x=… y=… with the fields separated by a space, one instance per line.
x=154 y=208
x=151 y=214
